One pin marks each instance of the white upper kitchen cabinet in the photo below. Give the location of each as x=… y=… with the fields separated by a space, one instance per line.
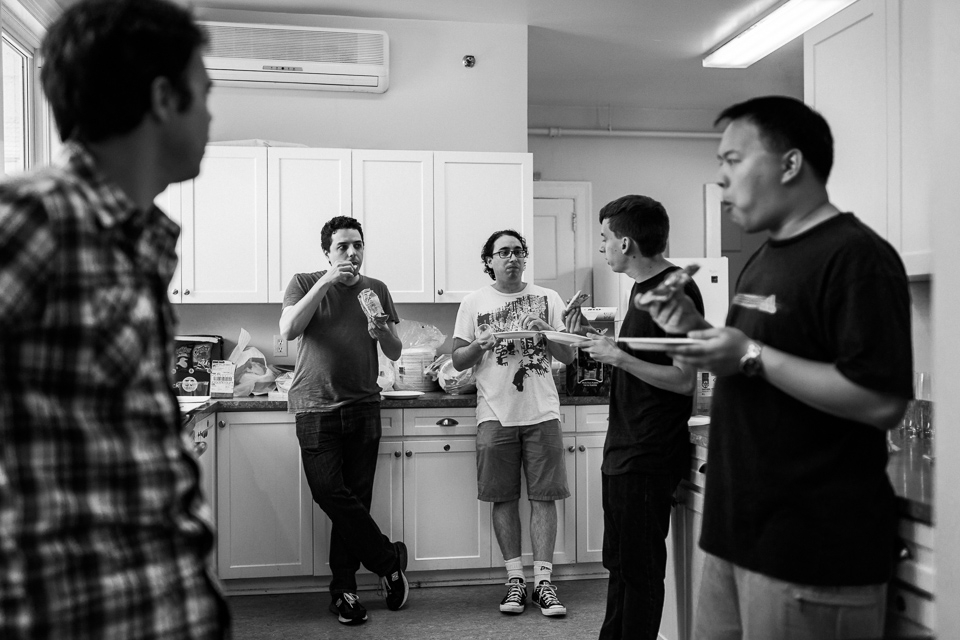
x=476 y=194
x=393 y=200
x=169 y=203
x=223 y=245
x=866 y=71
x=307 y=187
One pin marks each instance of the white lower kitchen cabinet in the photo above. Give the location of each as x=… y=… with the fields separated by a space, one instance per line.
x=688 y=558
x=589 y=498
x=265 y=509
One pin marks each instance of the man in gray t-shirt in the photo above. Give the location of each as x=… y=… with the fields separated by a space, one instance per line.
x=336 y=399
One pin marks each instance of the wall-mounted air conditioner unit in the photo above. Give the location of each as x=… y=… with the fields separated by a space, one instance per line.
x=258 y=55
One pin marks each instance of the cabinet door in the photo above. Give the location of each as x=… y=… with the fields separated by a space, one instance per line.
x=565 y=548
x=386 y=506
x=307 y=187
x=691 y=505
x=205 y=432
x=393 y=199
x=475 y=195
x=169 y=203
x=672 y=584
x=265 y=509
x=589 y=499
x=850 y=79
x=224 y=242
x=444 y=525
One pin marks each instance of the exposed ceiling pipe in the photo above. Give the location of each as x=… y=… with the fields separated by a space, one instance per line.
x=558 y=132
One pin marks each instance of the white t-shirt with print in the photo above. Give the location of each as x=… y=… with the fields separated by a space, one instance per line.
x=514 y=382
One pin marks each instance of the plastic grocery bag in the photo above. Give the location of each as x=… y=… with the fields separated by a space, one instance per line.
x=251 y=373
x=387 y=374
x=452 y=381
x=416 y=334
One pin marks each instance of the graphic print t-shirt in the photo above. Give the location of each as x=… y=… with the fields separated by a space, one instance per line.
x=514 y=383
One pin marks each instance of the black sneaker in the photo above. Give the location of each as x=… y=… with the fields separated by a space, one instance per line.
x=348 y=609
x=545 y=597
x=394 y=585
x=516 y=599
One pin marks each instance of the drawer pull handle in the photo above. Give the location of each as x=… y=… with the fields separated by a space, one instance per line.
x=396 y=454
x=703 y=468
x=203 y=434
x=447 y=422
x=582 y=448
x=221 y=424
x=571 y=448
x=446 y=447
x=409 y=454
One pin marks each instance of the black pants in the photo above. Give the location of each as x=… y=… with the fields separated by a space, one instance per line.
x=339 y=450
x=636 y=518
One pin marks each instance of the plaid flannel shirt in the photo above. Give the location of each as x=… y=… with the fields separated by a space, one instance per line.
x=103 y=532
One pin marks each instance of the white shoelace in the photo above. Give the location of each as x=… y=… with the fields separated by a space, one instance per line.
x=516 y=592
x=548 y=596
x=351 y=598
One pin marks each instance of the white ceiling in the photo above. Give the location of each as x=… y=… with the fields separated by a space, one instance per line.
x=595 y=53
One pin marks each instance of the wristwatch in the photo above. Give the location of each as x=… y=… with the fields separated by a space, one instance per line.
x=750 y=363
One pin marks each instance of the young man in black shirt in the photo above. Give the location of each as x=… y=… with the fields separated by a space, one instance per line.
x=647 y=444
x=813 y=367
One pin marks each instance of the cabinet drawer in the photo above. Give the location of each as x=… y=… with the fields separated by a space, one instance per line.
x=592 y=417
x=455 y=421
x=919 y=568
x=910 y=605
x=568 y=419
x=391 y=422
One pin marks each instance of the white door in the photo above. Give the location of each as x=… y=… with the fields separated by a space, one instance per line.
x=386 y=506
x=444 y=525
x=169 y=203
x=565 y=548
x=554 y=240
x=393 y=200
x=224 y=244
x=589 y=499
x=265 y=509
x=307 y=187
x=475 y=195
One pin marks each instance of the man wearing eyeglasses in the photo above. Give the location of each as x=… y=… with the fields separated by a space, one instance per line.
x=518 y=411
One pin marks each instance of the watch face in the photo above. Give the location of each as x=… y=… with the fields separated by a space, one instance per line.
x=750 y=363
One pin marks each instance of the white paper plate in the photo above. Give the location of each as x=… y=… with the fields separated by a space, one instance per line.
x=657 y=344
x=516 y=335
x=401 y=394
x=563 y=337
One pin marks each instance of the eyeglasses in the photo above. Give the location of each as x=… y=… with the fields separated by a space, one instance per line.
x=516 y=253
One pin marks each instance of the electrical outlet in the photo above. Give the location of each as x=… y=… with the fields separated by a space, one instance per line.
x=279 y=346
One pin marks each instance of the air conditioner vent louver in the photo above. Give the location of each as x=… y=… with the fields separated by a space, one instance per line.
x=342 y=47
x=273 y=56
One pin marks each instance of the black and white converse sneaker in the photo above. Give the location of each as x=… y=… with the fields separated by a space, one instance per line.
x=516 y=599
x=348 y=609
x=545 y=597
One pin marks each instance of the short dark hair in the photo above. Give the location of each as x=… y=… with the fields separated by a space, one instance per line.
x=102 y=56
x=487 y=251
x=640 y=218
x=787 y=123
x=333 y=225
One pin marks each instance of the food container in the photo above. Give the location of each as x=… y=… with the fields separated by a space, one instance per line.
x=193 y=358
x=411 y=368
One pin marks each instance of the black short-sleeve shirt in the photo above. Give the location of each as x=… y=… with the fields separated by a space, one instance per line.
x=793 y=492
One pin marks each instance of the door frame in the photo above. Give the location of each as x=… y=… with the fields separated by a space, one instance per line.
x=581 y=194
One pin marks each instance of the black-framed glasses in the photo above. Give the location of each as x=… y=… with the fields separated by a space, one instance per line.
x=516 y=253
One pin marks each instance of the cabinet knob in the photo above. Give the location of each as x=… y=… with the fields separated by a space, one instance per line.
x=186 y=292
x=439 y=292
x=409 y=454
x=582 y=448
x=396 y=454
x=203 y=434
x=446 y=447
x=571 y=448
x=175 y=292
x=447 y=422
x=703 y=468
x=221 y=424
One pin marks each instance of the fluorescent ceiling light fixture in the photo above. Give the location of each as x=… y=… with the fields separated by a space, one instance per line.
x=789 y=20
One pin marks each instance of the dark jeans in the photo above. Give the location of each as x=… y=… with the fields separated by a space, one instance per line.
x=636 y=518
x=339 y=450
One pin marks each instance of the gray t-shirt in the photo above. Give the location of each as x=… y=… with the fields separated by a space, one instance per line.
x=337 y=363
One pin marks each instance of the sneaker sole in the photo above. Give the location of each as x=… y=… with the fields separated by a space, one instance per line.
x=553 y=612
x=347 y=621
x=511 y=608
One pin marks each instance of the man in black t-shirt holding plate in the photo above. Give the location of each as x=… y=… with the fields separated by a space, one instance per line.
x=813 y=366
x=647 y=446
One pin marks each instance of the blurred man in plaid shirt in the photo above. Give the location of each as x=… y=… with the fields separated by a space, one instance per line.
x=103 y=531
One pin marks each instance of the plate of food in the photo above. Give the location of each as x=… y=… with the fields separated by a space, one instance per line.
x=401 y=394
x=657 y=344
x=672 y=284
x=563 y=337
x=516 y=335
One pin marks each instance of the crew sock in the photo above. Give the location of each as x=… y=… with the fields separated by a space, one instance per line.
x=515 y=569
x=541 y=572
